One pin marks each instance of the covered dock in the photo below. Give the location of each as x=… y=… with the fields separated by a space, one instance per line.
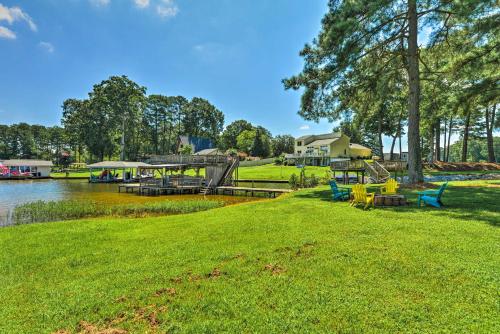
x=108 y=171
x=161 y=179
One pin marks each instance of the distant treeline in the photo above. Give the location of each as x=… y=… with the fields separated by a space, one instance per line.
x=119 y=121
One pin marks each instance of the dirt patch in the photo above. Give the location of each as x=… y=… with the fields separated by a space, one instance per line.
x=176 y=280
x=62 y=331
x=275 y=269
x=215 y=273
x=121 y=317
x=238 y=256
x=463 y=166
x=153 y=320
x=88 y=328
x=121 y=299
x=168 y=291
x=305 y=249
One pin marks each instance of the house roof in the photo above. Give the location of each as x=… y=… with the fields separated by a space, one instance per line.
x=322 y=136
x=322 y=142
x=198 y=143
x=27 y=162
x=118 y=164
x=358 y=146
x=208 y=151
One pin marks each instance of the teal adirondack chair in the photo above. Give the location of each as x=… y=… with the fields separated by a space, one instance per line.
x=339 y=193
x=432 y=197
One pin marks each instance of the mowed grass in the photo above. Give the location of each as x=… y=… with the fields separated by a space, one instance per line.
x=275 y=172
x=297 y=264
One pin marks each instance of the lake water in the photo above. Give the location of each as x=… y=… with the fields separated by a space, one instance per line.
x=13 y=193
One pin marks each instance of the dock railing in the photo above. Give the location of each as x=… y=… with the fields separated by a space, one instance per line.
x=189 y=159
x=347 y=165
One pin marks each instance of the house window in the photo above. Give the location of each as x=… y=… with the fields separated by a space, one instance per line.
x=299 y=143
x=299 y=152
x=345 y=151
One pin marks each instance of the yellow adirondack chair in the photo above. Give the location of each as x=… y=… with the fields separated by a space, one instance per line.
x=390 y=187
x=361 y=196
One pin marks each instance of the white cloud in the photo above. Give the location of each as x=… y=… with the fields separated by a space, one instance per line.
x=167 y=9
x=47 y=46
x=304 y=127
x=142 y=3
x=14 y=14
x=100 y=3
x=7 y=33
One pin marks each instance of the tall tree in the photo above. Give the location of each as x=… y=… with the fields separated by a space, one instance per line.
x=124 y=101
x=231 y=133
x=202 y=119
x=282 y=144
x=351 y=30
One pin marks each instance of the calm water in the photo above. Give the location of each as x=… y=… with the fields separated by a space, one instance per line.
x=13 y=193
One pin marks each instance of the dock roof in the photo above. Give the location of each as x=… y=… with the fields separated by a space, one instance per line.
x=118 y=164
x=26 y=162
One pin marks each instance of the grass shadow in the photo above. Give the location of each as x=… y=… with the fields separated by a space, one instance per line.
x=465 y=203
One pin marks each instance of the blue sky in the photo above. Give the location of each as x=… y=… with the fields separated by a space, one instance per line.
x=232 y=52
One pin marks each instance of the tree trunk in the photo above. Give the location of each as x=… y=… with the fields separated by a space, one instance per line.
x=444 y=139
x=431 y=146
x=490 y=123
x=122 y=142
x=415 y=174
x=380 y=142
x=400 y=145
x=466 y=137
x=450 y=128
x=391 y=157
x=438 y=140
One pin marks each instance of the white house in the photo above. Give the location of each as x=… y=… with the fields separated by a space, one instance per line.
x=321 y=149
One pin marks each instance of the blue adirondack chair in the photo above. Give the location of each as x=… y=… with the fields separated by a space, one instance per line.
x=339 y=193
x=432 y=197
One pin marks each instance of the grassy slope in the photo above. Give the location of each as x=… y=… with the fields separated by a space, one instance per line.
x=273 y=172
x=296 y=264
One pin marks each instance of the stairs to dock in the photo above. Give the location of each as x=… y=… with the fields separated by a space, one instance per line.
x=223 y=177
x=376 y=172
x=227 y=179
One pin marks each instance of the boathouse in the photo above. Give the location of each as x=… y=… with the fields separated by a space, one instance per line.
x=16 y=168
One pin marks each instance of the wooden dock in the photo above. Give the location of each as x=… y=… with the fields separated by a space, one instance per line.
x=252 y=191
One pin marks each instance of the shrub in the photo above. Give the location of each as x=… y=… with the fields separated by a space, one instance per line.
x=294 y=182
x=327 y=177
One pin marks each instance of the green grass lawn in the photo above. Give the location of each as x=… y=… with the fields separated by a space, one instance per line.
x=72 y=174
x=273 y=172
x=300 y=263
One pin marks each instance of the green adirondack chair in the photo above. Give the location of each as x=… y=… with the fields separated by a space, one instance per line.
x=339 y=194
x=432 y=197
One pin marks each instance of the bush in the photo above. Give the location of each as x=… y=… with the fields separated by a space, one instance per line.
x=303 y=181
x=326 y=178
x=311 y=181
x=294 y=182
